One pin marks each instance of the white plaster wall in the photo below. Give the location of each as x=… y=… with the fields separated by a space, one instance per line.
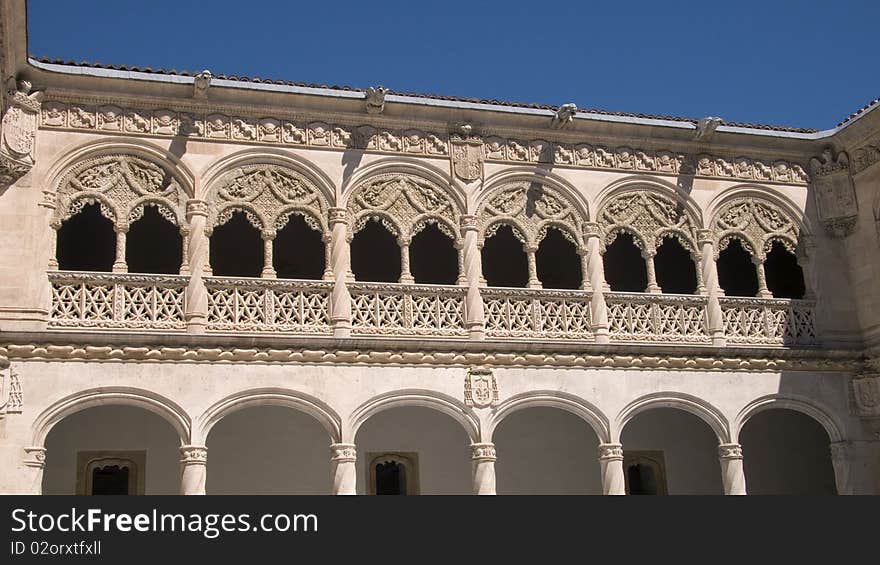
x=546 y=451
x=121 y=428
x=690 y=449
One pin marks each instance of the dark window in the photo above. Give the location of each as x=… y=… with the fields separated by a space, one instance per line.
x=433 y=258
x=237 y=248
x=298 y=251
x=736 y=271
x=625 y=269
x=785 y=278
x=112 y=479
x=641 y=479
x=390 y=478
x=504 y=260
x=557 y=262
x=675 y=268
x=86 y=242
x=153 y=244
x=375 y=255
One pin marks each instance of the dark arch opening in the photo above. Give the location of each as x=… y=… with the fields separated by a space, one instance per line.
x=736 y=271
x=558 y=262
x=86 y=242
x=625 y=269
x=153 y=244
x=504 y=260
x=237 y=248
x=675 y=268
x=298 y=251
x=433 y=258
x=375 y=255
x=785 y=278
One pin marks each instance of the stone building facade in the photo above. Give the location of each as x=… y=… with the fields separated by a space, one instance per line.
x=226 y=285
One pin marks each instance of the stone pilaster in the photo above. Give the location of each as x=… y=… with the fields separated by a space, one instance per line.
x=611 y=465
x=193 y=469
x=343 y=459
x=732 y=476
x=483 y=458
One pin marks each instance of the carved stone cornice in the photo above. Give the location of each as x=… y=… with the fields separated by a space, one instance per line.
x=212 y=124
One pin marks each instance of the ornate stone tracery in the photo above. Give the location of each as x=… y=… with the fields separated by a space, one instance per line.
x=649 y=216
x=757 y=223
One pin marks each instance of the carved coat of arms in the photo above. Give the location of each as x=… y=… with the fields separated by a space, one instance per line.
x=467 y=157
x=835 y=194
x=480 y=388
x=866 y=393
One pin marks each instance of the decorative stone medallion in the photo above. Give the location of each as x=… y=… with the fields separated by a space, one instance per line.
x=480 y=387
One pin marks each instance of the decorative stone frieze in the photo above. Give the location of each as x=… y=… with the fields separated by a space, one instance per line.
x=530 y=208
x=19 y=133
x=480 y=387
x=835 y=193
x=650 y=217
x=11 y=398
x=865 y=156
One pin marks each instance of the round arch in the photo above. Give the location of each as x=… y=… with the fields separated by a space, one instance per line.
x=805 y=406
x=685 y=402
x=424 y=398
x=551 y=399
x=123 y=396
x=286 y=398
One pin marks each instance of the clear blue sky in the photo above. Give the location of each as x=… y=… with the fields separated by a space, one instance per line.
x=805 y=64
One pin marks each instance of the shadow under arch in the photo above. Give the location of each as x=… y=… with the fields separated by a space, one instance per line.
x=104 y=396
x=286 y=398
x=685 y=402
x=637 y=182
x=531 y=175
x=551 y=399
x=414 y=397
x=760 y=192
x=800 y=404
x=215 y=170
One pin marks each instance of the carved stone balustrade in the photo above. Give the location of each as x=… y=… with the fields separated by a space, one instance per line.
x=658 y=318
x=117 y=301
x=768 y=321
x=268 y=305
x=552 y=314
x=403 y=309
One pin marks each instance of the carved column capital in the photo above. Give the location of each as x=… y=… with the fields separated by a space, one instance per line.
x=343 y=452
x=730 y=451
x=610 y=452
x=468 y=223
x=193 y=455
x=483 y=451
x=338 y=216
x=704 y=237
x=592 y=229
x=35 y=456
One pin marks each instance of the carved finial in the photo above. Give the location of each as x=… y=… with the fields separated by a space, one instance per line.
x=201 y=82
x=706 y=127
x=564 y=115
x=375 y=99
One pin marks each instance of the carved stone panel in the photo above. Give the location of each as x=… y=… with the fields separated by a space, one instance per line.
x=467 y=157
x=866 y=396
x=835 y=194
x=480 y=387
x=18 y=131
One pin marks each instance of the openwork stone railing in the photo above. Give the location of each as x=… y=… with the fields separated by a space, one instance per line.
x=118 y=301
x=268 y=305
x=399 y=309
x=554 y=314
x=661 y=318
x=768 y=321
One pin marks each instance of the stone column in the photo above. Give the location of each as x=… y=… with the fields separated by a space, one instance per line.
x=473 y=270
x=841 y=460
x=119 y=265
x=328 y=252
x=611 y=464
x=35 y=461
x=343 y=471
x=184 y=250
x=596 y=275
x=197 y=249
x=732 y=476
x=405 y=276
x=193 y=469
x=340 y=261
x=53 y=248
x=483 y=458
x=530 y=250
x=462 y=277
x=715 y=318
x=268 y=261
x=653 y=287
x=584 y=254
x=763 y=291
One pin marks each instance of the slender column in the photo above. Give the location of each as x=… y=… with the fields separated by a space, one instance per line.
x=763 y=291
x=120 y=266
x=184 y=250
x=715 y=318
x=473 y=270
x=530 y=250
x=268 y=262
x=596 y=275
x=328 y=252
x=53 y=249
x=841 y=460
x=732 y=476
x=653 y=287
x=343 y=472
x=340 y=260
x=611 y=465
x=35 y=461
x=584 y=254
x=462 y=277
x=405 y=276
x=193 y=469
x=197 y=249
x=483 y=458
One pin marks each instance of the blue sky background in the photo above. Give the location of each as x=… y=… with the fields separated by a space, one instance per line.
x=805 y=64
